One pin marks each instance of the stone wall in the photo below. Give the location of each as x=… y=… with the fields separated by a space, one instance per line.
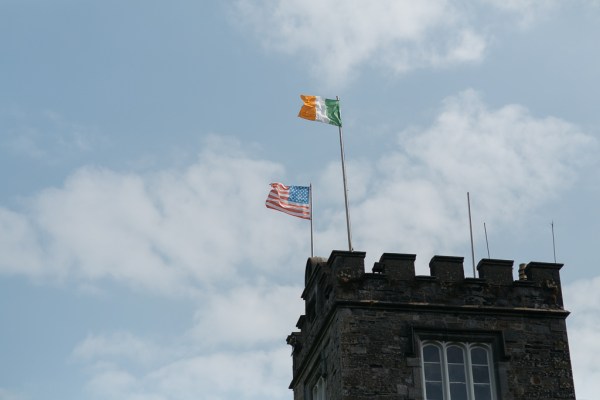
x=361 y=330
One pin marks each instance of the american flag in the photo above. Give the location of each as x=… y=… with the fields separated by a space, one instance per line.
x=292 y=200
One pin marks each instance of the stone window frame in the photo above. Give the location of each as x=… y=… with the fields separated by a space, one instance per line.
x=315 y=387
x=445 y=363
x=492 y=338
x=318 y=390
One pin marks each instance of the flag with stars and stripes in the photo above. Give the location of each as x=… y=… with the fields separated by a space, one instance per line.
x=292 y=200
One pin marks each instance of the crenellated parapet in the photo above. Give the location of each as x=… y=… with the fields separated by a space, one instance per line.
x=341 y=282
x=392 y=334
x=342 y=277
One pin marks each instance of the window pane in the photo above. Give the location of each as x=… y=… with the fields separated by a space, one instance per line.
x=481 y=374
x=433 y=372
x=433 y=391
x=455 y=355
x=456 y=372
x=431 y=353
x=483 y=392
x=458 y=391
x=318 y=391
x=479 y=356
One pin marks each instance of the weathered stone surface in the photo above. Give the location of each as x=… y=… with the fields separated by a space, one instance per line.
x=361 y=330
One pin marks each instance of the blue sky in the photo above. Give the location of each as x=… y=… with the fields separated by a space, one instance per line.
x=138 y=140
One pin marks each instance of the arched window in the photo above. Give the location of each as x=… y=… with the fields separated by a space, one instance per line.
x=457 y=371
x=318 y=390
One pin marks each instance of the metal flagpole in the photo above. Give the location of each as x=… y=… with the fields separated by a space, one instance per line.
x=311 y=218
x=486 y=240
x=345 y=185
x=471 y=230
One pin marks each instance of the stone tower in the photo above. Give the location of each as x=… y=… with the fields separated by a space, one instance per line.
x=391 y=335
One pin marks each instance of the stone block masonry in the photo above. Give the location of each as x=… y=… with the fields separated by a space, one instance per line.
x=362 y=332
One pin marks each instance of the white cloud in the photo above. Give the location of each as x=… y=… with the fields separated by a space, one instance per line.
x=510 y=161
x=336 y=36
x=111 y=382
x=247 y=316
x=204 y=230
x=187 y=374
x=46 y=135
x=172 y=232
x=251 y=375
x=18 y=240
x=583 y=300
x=525 y=12
x=235 y=348
x=184 y=231
x=122 y=346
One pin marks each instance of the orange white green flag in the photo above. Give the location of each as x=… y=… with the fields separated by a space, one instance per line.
x=317 y=108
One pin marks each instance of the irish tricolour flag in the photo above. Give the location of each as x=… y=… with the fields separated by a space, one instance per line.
x=317 y=108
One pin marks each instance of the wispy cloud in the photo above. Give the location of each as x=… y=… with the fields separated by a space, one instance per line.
x=336 y=38
x=179 y=231
x=172 y=232
x=203 y=231
x=46 y=135
x=412 y=197
x=525 y=12
x=264 y=313
x=186 y=374
x=122 y=346
x=583 y=299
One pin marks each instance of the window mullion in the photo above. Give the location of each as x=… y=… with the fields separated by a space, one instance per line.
x=469 y=367
x=445 y=373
